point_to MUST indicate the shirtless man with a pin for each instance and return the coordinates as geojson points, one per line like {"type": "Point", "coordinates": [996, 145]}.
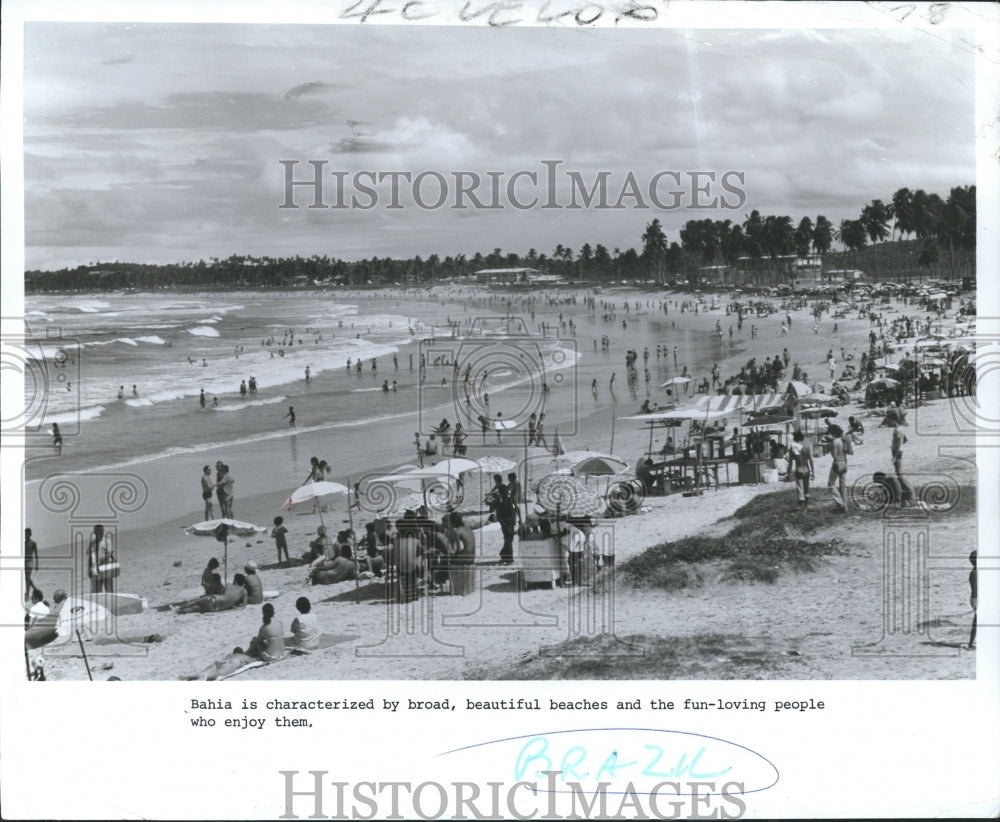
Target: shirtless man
{"type": "Point", "coordinates": [233, 595]}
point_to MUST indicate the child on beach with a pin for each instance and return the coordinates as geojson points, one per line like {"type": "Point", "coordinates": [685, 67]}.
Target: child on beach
{"type": "Point", "coordinates": [278, 535]}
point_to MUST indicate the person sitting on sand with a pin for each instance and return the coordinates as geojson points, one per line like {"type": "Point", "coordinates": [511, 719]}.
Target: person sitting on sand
{"type": "Point", "coordinates": [39, 608]}
{"type": "Point", "coordinates": [229, 664]}
{"type": "Point", "coordinates": [253, 584]}
{"type": "Point", "coordinates": [269, 644]}
{"type": "Point", "coordinates": [856, 430]}
{"type": "Point", "coordinates": [319, 546]}
{"type": "Point", "coordinates": [305, 627]}
{"type": "Point", "coordinates": [233, 595]}
{"type": "Point", "coordinates": [431, 446]}
{"type": "Point", "coordinates": [210, 579]}
{"type": "Point", "coordinates": [330, 571]}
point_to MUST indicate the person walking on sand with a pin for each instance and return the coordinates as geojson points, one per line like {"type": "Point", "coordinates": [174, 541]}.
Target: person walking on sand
{"type": "Point", "coordinates": [837, 481]}
{"type": "Point", "coordinates": [907, 495]}
{"type": "Point", "coordinates": [201, 398]}
{"type": "Point", "coordinates": [290, 416]}
{"type": "Point", "coordinates": [800, 461]}
{"type": "Point", "coordinates": [207, 487]}
{"type": "Point", "coordinates": [506, 514]}
{"type": "Point", "coordinates": [540, 432]}
{"type": "Point", "coordinates": [57, 440]}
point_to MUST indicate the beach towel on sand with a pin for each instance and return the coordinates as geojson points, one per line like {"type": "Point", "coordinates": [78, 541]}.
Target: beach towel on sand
{"type": "Point", "coordinates": [325, 641]}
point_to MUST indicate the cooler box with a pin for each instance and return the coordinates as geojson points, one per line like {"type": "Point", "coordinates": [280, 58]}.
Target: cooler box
{"type": "Point", "coordinates": [542, 561]}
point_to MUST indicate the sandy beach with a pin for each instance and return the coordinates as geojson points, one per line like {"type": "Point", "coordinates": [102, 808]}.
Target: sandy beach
{"type": "Point", "coordinates": [824, 623]}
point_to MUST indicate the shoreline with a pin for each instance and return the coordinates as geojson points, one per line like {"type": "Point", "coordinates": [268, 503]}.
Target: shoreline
{"type": "Point", "coordinates": [275, 461]}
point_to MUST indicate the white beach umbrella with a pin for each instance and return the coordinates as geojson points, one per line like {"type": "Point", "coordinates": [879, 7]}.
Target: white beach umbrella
{"type": "Point", "coordinates": [222, 529]}
{"type": "Point", "coordinates": [676, 381]}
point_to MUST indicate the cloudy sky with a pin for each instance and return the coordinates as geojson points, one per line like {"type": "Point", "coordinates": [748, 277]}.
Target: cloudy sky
{"type": "Point", "coordinates": [160, 142]}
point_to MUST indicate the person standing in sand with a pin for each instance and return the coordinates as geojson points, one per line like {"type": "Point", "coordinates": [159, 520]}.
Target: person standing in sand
{"type": "Point", "coordinates": [279, 535]}
{"type": "Point", "coordinates": [101, 565]}
{"type": "Point", "coordinates": [224, 489]}
{"type": "Point", "coordinates": [57, 440]}
{"type": "Point", "coordinates": [837, 481]}
{"type": "Point", "coordinates": [506, 514]}
{"type": "Point", "coordinates": [800, 461]}
{"type": "Point", "coordinates": [207, 487]}
{"type": "Point", "coordinates": [30, 562]}
{"type": "Point", "coordinates": [907, 495]}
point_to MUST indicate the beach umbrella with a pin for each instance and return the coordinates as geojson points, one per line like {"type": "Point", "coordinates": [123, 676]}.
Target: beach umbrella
{"type": "Point", "coordinates": [399, 505]}
{"type": "Point", "coordinates": [676, 381]}
{"type": "Point", "coordinates": [884, 382]}
{"type": "Point", "coordinates": [593, 464]}
{"type": "Point", "coordinates": [75, 614]}
{"type": "Point", "coordinates": [315, 491]}
{"type": "Point", "coordinates": [222, 529]}
{"type": "Point", "coordinates": [817, 398]}
{"type": "Point", "coordinates": [495, 465]}
{"type": "Point", "coordinates": [452, 466]}
{"type": "Point", "coordinates": [816, 413]}
{"type": "Point", "coordinates": [566, 496]}
{"type": "Point", "coordinates": [539, 465]}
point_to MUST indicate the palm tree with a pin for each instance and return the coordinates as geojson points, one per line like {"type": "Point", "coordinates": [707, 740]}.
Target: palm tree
{"type": "Point", "coordinates": [853, 236]}
{"type": "Point", "coordinates": [875, 220]}
{"type": "Point", "coordinates": [654, 247]}
{"type": "Point", "coordinates": [822, 235]}
{"type": "Point", "coordinates": [803, 237]}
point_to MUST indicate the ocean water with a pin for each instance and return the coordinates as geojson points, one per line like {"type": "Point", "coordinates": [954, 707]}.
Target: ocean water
{"type": "Point", "coordinates": [521, 353]}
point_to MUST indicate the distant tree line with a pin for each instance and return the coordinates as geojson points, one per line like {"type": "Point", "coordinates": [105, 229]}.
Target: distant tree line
{"type": "Point", "coordinates": [915, 234]}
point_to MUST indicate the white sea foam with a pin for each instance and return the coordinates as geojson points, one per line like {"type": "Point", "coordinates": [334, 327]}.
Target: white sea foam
{"type": "Point", "coordinates": [240, 406]}
{"type": "Point", "coordinates": [91, 412]}
{"type": "Point", "coordinates": [203, 331]}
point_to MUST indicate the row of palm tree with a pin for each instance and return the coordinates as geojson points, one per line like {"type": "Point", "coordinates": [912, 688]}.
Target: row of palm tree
{"type": "Point", "coordinates": [761, 246]}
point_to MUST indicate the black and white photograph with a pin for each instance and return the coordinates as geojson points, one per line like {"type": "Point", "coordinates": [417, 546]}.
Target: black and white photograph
{"type": "Point", "coordinates": [480, 380]}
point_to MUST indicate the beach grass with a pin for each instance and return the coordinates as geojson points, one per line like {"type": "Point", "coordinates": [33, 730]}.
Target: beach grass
{"type": "Point", "coordinates": [768, 539]}
{"type": "Point", "coordinates": [643, 656]}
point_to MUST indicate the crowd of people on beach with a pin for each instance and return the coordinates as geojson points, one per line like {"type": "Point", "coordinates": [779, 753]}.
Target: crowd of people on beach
{"type": "Point", "coordinates": [415, 555]}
